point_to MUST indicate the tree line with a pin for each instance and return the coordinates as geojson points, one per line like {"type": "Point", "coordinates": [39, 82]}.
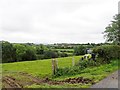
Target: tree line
{"type": "Point", "coordinates": [15, 52]}
{"type": "Point", "coordinates": [25, 52]}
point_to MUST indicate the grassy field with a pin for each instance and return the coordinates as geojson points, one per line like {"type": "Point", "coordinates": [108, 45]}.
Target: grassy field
{"type": "Point", "coordinates": [39, 68]}
{"type": "Point", "coordinates": [65, 49]}
{"type": "Point", "coordinates": [43, 68]}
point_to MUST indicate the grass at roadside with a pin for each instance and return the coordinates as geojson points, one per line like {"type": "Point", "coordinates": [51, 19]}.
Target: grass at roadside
{"type": "Point", "coordinates": [96, 73]}
{"type": "Point", "coordinates": [59, 86]}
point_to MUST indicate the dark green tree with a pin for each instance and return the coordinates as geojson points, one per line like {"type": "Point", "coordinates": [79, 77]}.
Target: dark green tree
{"type": "Point", "coordinates": [40, 49]}
{"type": "Point", "coordinates": [50, 54]}
{"type": "Point", "coordinates": [20, 51]}
{"type": "Point", "coordinates": [112, 32]}
{"type": "Point", "coordinates": [79, 50]}
{"type": "Point", "coordinates": [8, 52]}
{"type": "Point", "coordinates": [29, 54]}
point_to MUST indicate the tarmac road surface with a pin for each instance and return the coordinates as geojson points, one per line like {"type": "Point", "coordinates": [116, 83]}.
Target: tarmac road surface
{"type": "Point", "coordinates": [110, 82]}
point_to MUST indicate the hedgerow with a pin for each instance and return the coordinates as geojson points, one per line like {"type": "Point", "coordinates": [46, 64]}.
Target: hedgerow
{"type": "Point", "coordinates": [107, 52]}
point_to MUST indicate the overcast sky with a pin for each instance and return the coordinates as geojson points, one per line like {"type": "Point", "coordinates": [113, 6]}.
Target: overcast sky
{"type": "Point", "coordinates": [55, 21]}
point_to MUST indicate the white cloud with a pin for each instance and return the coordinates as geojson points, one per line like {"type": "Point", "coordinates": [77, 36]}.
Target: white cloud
{"type": "Point", "coordinates": [52, 21]}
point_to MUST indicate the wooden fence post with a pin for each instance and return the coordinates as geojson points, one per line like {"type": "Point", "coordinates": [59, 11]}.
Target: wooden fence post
{"type": "Point", "coordinates": [54, 66]}
{"type": "Point", "coordinates": [56, 63]}
{"type": "Point", "coordinates": [73, 61]}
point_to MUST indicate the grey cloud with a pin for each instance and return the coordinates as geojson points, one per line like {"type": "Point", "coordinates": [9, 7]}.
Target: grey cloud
{"type": "Point", "coordinates": [55, 20]}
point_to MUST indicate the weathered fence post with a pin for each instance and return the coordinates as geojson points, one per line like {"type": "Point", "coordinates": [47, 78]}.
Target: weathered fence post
{"type": "Point", "coordinates": [54, 66]}
{"type": "Point", "coordinates": [73, 61]}
{"type": "Point", "coordinates": [56, 63]}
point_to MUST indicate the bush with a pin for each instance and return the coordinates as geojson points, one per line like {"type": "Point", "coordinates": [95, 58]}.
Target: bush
{"type": "Point", "coordinates": [87, 63]}
{"type": "Point", "coordinates": [67, 71]}
{"type": "Point", "coordinates": [75, 69]}
{"type": "Point", "coordinates": [107, 52]}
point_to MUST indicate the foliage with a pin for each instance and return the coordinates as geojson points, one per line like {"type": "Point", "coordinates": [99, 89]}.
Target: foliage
{"type": "Point", "coordinates": [112, 32]}
{"type": "Point", "coordinates": [94, 73]}
{"type": "Point", "coordinates": [8, 52]}
{"type": "Point", "coordinates": [79, 50]}
{"type": "Point", "coordinates": [107, 52]}
{"type": "Point", "coordinates": [87, 63]}
{"type": "Point", "coordinates": [25, 52]}
{"type": "Point", "coordinates": [63, 54]}
{"type": "Point", "coordinates": [17, 52]}
{"type": "Point", "coordinates": [40, 49]}
{"type": "Point", "coordinates": [75, 69]}
{"type": "Point", "coordinates": [50, 54]}
{"type": "Point", "coordinates": [20, 51]}
{"type": "Point", "coordinates": [30, 51]}
{"type": "Point", "coordinates": [40, 57]}
{"type": "Point", "coordinates": [29, 54]}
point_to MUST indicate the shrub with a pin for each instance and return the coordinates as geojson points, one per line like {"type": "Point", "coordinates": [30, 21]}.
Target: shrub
{"type": "Point", "coordinates": [87, 63]}
{"type": "Point", "coordinates": [67, 71]}
{"type": "Point", "coordinates": [77, 69]}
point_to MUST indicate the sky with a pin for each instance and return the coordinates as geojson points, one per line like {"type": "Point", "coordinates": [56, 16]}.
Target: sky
{"type": "Point", "coordinates": [55, 21]}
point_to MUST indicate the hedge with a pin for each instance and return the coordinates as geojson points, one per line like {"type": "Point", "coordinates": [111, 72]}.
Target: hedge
{"type": "Point", "coordinates": [108, 52]}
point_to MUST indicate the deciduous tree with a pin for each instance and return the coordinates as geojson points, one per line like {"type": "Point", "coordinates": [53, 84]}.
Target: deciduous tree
{"type": "Point", "coordinates": [112, 32]}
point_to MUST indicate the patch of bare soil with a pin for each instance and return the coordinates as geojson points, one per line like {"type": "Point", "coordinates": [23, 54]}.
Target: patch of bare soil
{"type": "Point", "coordinates": [54, 82]}
{"type": "Point", "coordinates": [41, 81]}
{"type": "Point", "coordinates": [34, 79]}
{"type": "Point", "coordinates": [78, 80]}
{"type": "Point", "coordinates": [10, 82]}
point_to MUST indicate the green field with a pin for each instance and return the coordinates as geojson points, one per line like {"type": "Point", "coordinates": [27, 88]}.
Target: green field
{"type": "Point", "coordinates": [65, 49]}
{"type": "Point", "coordinates": [39, 68]}
{"type": "Point", "coordinates": [43, 69]}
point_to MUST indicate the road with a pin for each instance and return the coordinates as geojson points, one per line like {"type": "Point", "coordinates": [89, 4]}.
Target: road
{"type": "Point", "coordinates": [110, 82]}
